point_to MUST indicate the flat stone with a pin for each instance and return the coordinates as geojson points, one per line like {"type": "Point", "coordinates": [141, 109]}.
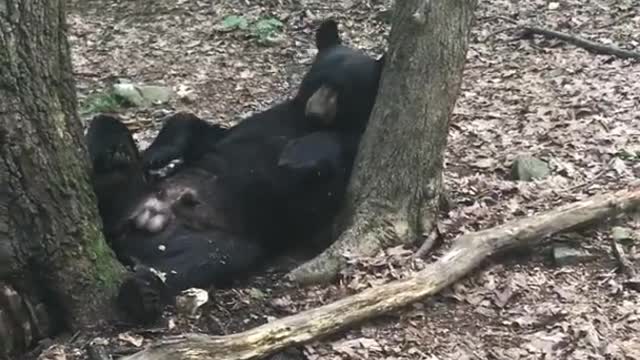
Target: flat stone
{"type": "Point", "coordinates": [155, 94]}
{"type": "Point", "coordinates": [528, 168]}
{"type": "Point", "coordinates": [564, 255]}
{"type": "Point", "coordinates": [622, 234]}
{"type": "Point", "coordinates": [256, 294]}
{"type": "Point", "coordinates": [142, 95]}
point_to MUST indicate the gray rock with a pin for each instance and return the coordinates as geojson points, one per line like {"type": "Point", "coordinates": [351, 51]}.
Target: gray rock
{"type": "Point", "coordinates": [257, 294]}
{"type": "Point", "coordinates": [564, 255]}
{"type": "Point", "coordinates": [155, 94]}
{"type": "Point", "coordinates": [142, 95]}
{"type": "Point", "coordinates": [161, 113]}
{"type": "Point", "coordinates": [622, 234]}
{"type": "Point", "coordinates": [129, 93]}
{"type": "Point", "coordinates": [527, 168]}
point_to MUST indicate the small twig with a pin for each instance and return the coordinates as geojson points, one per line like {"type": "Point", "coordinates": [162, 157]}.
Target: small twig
{"type": "Point", "coordinates": [588, 45]}
{"type": "Point", "coordinates": [616, 21]}
{"type": "Point", "coordinates": [499, 17]}
{"type": "Point", "coordinates": [499, 31]}
{"type": "Point", "coordinates": [588, 182]}
{"type": "Point", "coordinates": [86, 74]}
{"type": "Point", "coordinates": [624, 263]}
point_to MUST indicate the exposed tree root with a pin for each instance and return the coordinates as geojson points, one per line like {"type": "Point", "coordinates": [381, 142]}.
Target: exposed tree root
{"type": "Point", "coordinates": [394, 192]}
{"type": "Point", "coordinates": [428, 243]}
{"type": "Point", "coordinates": [467, 253]}
{"type": "Point", "coordinates": [375, 226]}
{"type": "Point", "coordinates": [588, 45]}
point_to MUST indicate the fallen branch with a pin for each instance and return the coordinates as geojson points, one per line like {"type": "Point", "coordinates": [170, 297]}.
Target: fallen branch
{"type": "Point", "coordinates": [468, 252]}
{"type": "Point", "coordinates": [588, 45]}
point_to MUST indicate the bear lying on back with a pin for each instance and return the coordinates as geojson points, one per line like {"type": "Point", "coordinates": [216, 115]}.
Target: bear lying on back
{"type": "Point", "coordinates": [185, 226]}
{"type": "Point", "coordinates": [242, 194]}
{"type": "Point", "coordinates": [289, 197]}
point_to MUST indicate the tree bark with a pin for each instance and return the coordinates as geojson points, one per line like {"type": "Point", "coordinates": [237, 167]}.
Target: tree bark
{"type": "Point", "coordinates": [51, 244]}
{"type": "Point", "coordinates": [397, 180]}
{"type": "Point", "coordinates": [467, 253]}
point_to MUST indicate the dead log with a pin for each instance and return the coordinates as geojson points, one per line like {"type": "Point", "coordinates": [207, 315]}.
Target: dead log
{"type": "Point", "coordinates": [468, 252]}
{"type": "Point", "coordinates": [588, 45]}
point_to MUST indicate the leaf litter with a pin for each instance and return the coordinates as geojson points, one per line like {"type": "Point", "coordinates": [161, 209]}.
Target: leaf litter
{"type": "Point", "coordinates": [577, 111]}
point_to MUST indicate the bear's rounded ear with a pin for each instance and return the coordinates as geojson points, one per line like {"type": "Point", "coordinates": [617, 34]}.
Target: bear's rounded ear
{"type": "Point", "coordinates": [327, 35]}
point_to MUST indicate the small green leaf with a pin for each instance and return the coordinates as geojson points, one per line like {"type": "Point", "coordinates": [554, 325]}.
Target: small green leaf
{"type": "Point", "coordinates": [270, 24]}
{"type": "Point", "coordinates": [265, 30]}
{"type": "Point", "coordinates": [628, 155]}
{"type": "Point", "coordinates": [101, 102]}
{"type": "Point", "coordinates": [233, 22]}
{"type": "Point", "coordinates": [267, 26]}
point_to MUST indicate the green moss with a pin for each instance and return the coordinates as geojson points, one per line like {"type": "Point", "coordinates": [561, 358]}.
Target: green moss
{"type": "Point", "coordinates": [108, 271]}
{"type": "Point", "coordinates": [101, 102]}
{"type": "Point", "coordinates": [265, 30]}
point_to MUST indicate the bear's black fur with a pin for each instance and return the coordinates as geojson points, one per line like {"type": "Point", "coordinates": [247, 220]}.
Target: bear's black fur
{"type": "Point", "coordinates": [336, 97]}
{"type": "Point", "coordinates": [184, 136]}
{"type": "Point", "coordinates": [339, 90]}
{"type": "Point", "coordinates": [184, 226]}
{"type": "Point", "coordinates": [117, 175]}
{"type": "Point", "coordinates": [243, 194]}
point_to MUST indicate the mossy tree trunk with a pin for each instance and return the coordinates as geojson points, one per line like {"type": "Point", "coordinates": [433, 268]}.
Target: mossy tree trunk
{"type": "Point", "coordinates": [50, 235]}
{"type": "Point", "coordinates": [397, 181]}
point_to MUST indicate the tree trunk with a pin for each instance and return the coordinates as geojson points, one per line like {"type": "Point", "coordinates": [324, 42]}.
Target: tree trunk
{"type": "Point", "coordinates": [50, 238]}
{"type": "Point", "coordinates": [396, 183]}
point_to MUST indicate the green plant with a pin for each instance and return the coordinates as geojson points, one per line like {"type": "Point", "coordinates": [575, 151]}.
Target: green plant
{"type": "Point", "coordinates": [101, 102]}
{"type": "Point", "coordinates": [625, 154]}
{"type": "Point", "coordinates": [265, 30]}
{"type": "Point", "coordinates": [233, 22]}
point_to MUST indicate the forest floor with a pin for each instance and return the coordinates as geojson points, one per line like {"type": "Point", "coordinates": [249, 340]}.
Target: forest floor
{"type": "Point", "coordinates": [578, 111]}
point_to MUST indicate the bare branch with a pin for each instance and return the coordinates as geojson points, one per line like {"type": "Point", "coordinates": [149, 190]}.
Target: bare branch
{"type": "Point", "coordinates": [588, 45]}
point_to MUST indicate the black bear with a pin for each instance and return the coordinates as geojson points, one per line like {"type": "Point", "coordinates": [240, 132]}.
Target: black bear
{"type": "Point", "coordinates": [242, 194]}
{"type": "Point", "coordinates": [304, 184]}
{"type": "Point", "coordinates": [185, 226]}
